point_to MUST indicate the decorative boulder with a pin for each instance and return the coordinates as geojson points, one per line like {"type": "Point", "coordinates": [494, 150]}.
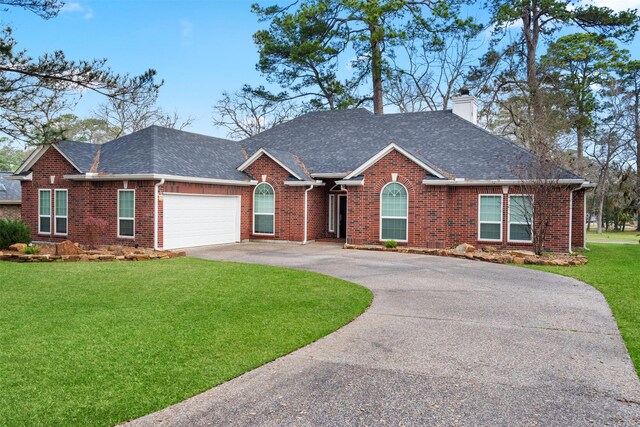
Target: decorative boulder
{"type": "Point", "coordinates": [490, 249]}
{"type": "Point", "coordinates": [67, 248]}
{"type": "Point", "coordinates": [18, 247]}
{"type": "Point", "coordinates": [465, 248]}
{"type": "Point", "coordinates": [522, 253]}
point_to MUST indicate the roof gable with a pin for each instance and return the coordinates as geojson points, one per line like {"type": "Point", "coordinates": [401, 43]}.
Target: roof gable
{"type": "Point", "coordinates": [287, 161]}
{"type": "Point", "coordinates": [391, 147]}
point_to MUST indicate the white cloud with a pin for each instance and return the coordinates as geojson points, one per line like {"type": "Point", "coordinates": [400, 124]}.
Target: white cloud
{"type": "Point", "coordinates": [76, 7]}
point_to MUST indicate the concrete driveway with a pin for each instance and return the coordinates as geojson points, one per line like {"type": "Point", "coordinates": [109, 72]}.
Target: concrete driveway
{"type": "Point", "coordinates": [446, 342]}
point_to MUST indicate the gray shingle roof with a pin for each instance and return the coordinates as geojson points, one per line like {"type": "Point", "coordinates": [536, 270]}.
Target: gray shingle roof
{"type": "Point", "coordinates": [340, 141]}
{"type": "Point", "coordinates": [9, 189]}
{"type": "Point", "coordinates": [159, 150]}
{"type": "Point", "coordinates": [81, 154]}
{"type": "Point", "coordinates": [290, 161]}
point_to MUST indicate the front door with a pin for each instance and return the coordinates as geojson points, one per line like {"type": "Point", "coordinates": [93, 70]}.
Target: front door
{"type": "Point", "coordinates": [342, 215]}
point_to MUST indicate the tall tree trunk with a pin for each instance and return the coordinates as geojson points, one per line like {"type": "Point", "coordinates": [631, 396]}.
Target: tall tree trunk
{"type": "Point", "coordinates": [580, 150]}
{"type": "Point", "coordinates": [531, 29]}
{"type": "Point", "coordinates": [603, 195]}
{"type": "Point", "coordinates": [376, 68]}
{"type": "Point", "coordinates": [636, 116]}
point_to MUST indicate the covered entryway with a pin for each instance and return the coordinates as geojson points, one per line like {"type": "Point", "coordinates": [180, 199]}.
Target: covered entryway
{"type": "Point", "coordinates": [199, 220]}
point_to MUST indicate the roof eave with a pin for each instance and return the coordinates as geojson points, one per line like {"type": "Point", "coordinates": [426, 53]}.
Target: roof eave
{"type": "Point", "coordinates": [153, 177]}
{"type": "Point", "coordinates": [490, 182]}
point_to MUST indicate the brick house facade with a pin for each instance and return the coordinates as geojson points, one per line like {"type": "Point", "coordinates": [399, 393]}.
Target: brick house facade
{"type": "Point", "coordinates": [179, 182]}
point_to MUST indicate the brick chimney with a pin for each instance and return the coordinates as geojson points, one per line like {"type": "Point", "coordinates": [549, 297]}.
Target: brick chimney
{"type": "Point", "coordinates": [465, 106]}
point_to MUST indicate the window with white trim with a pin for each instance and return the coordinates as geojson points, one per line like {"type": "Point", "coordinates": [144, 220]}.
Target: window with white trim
{"type": "Point", "coordinates": [44, 211]}
{"type": "Point", "coordinates": [332, 209]}
{"type": "Point", "coordinates": [126, 213]}
{"type": "Point", "coordinates": [490, 217]}
{"type": "Point", "coordinates": [264, 209]}
{"type": "Point", "coordinates": [394, 206]}
{"type": "Point", "coordinates": [61, 206]}
{"type": "Point", "coordinates": [520, 218]}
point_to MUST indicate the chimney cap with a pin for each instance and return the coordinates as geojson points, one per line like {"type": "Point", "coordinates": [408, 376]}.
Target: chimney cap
{"type": "Point", "coordinates": [464, 90]}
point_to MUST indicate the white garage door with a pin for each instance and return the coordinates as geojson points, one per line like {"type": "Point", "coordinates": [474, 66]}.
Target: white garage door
{"type": "Point", "coordinates": [195, 220]}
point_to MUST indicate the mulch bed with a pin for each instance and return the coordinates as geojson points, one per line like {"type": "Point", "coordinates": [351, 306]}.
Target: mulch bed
{"type": "Point", "coordinates": [495, 256]}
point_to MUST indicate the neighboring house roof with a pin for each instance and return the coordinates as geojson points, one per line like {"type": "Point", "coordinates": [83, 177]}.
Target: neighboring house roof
{"type": "Point", "coordinates": [10, 191]}
{"type": "Point", "coordinates": [341, 141]}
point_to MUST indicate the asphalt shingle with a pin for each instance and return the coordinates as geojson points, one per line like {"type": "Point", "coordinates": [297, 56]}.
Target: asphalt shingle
{"type": "Point", "coordinates": [9, 189]}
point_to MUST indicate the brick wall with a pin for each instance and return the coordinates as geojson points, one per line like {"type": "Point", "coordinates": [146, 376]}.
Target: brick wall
{"type": "Point", "coordinates": [85, 199]}
{"type": "Point", "coordinates": [10, 211]}
{"type": "Point", "coordinates": [579, 219]}
{"type": "Point", "coordinates": [444, 216]}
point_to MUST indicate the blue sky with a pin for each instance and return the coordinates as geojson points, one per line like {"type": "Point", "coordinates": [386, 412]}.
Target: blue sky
{"type": "Point", "coordinates": [200, 48]}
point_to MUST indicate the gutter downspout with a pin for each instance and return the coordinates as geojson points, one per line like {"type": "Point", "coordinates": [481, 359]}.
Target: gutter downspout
{"type": "Point", "coordinates": [304, 242]}
{"type": "Point", "coordinates": [155, 213]}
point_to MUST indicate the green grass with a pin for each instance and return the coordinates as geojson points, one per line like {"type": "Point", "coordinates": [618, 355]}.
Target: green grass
{"type": "Point", "coordinates": [101, 343]}
{"type": "Point", "coordinates": [630, 236]}
{"type": "Point", "coordinates": [615, 271]}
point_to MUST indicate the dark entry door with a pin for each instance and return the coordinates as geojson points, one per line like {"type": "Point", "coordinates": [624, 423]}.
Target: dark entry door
{"type": "Point", "coordinates": [342, 216]}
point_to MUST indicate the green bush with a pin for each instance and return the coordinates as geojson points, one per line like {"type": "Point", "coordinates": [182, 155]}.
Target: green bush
{"type": "Point", "coordinates": [13, 232]}
{"type": "Point", "coordinates": [32, 250]}
{"type": "Point", "coordinates": [390, 244]}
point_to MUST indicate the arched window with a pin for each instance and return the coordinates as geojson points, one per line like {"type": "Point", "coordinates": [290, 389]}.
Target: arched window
{"type": "Point", "coordinates": [394, 205]}
{"type": "Point", "coordinates": [263, 209]}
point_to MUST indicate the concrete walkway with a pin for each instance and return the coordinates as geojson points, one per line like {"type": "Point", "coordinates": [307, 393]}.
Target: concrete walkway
{"type": "Point", "coordinates": [446, 342]}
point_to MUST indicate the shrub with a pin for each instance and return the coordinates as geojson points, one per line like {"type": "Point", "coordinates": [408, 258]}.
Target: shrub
{"type": "Point", "coordinates": [390, 244]}
{"type": "Point", "coordinates": [32, 250]}
{"type": "Point", "coordinates": [13, 232]}
{"type": "Point", "coordinates": [95, 227]}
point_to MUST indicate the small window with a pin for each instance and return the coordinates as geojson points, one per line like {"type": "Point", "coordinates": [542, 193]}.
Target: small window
{"type": "Point", "coordinates": [263, 209]}
{"type": "Point", "coordinates": [520, 219]}
{"type": "Point", "coordinates": [490, 218]}
{"type": "Point", "coordinates": [332, 208]}
{"type": "Point", "coordinates": [61, 210]}
{"type": "Point", "coordinates": [44, 212]}
{"type": "Point", "coordinates": [126, 213]}
{"type": "Point", "coordinates": [393, 212]}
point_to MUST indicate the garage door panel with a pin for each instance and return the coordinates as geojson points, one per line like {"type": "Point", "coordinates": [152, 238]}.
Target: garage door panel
{"type": "Point", "coordinates": [194, 220]}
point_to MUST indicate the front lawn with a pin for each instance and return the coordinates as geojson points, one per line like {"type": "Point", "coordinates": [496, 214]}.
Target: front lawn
{"type": "Point", "coordinates": [101, 343]}
{"type": "Point", "coordinates": [615, 271]}
{"type": "Point", "coordinates": [628, 236]}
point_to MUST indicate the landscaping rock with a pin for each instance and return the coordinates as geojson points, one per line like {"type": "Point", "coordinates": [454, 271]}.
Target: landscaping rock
{"type": "Point", "coordinates": [522, 253]}
{"type": "Point", "coordinates": [490, 249]}
{"type": "Point", "coordinates": [67, 248]}
{"type": "Point", "coordinates": [18, 247]}
{"type": "Point", "coordinates": [465, 248]}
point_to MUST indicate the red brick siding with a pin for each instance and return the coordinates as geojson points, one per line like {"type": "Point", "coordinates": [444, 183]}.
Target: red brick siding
{"type": "Point", "coordinates": [579, 220]}
{"type": "Point", "coordinates": [99, 199]}
{"type": "Point", "coordinates": [289, 201]}
{"type": "Point", "coordinates": [438, 216]}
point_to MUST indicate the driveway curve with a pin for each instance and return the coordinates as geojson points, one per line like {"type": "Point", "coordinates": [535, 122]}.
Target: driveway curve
{"type": "Point", "coordinates": [446, 342]}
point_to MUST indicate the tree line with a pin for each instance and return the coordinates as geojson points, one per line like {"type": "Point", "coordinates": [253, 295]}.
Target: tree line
{"type": "Point", "coordinates": [551, 75]}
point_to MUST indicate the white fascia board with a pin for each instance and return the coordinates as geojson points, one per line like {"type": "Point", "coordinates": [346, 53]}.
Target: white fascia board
{"type": "Point", "coordinates": [488, 182]}
{"type": "Point", "coordinates": [257, 155]}
{"type": "Point", "coordinates": [28, 177]}
{"type": "Point", "coordinates": [33, 157]}
{"type": "Point", "coordinates": [328, 175]}
{"type": "Point", "coordinates": [366, 165]}
{"type": "Point", "coordinates": [153, 177]}
{"type": "Point", "coordinates": [358, 183]}
{"type": "Point", "coordinates": [304, 183]}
